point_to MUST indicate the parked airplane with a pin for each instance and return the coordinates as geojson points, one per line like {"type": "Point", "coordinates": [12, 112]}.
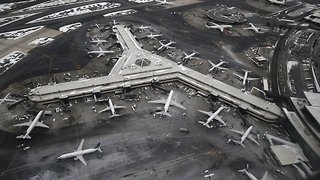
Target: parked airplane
{"type": "Point", "coordinates": [245, 78]}
{"type": "Point", "coordinates": [217, 66]}
{"type": "Point", "coordinates": [153, 36]}
{"type": "Point", "coordinates": [213, 116]}
{"type": "Point", "coordinates": [112, 108]}
{"type": "Point", "coordinates": [166, 46]}
{"type": "Point", "coordinates": [163, 2]}
{"type": "Point", "coordinates": [98, 41]}
{"type": "Point", "coordinates": [100, 52]}
{"type": "Point", "coordinates": [31, 124]}
{"type": "Point", "coordinates": [6, 99]}
{"type": "Point", "coordinates": [217, 26]}
{"type": "Point", "coordinates": [189, 56]}
{"type": "Point", "coordinates": [245, 134]}
{"type": "Point", "coordinates": [167, 103]}
{"type": "Point", "coordinates": [251, 176]}
{"type": "Point", "coordinates": [142, 27]}
{"type": "Point", "coordinates": [78, 154]}
{"type": "Point", "coordinates": [255, 29]}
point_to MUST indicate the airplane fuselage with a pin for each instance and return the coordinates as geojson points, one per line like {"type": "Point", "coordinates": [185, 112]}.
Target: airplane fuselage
{"type": "Point", "coordinates": [111, 107]}
{"type": "Point", "coordinates": [214, 115]}
{"type": "Point", "coordinates": [245, 78]}
{"type": "Point", "coordinates": [77, 153]}
{"type": "Point", "coordinates": [34, 122]}
{"type": "Point", "coordinates": [250, 176]}
{"type": "Point", "coordinates": [166, 106]}
{"type": "Point", "coordinates": [216, 66]}
{"type": "Point", "coordinates": [245, 135]}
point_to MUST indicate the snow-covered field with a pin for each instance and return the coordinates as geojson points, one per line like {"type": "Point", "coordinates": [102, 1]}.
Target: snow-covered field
{"type": "Point", "coordinates": [7, 20]}
{"type": "Point", "coordinates": [70, 27]}
{"type": "Point", "coordinates": [8, 6]}
{"type": "Point", "coordinates": [120, 13]}
{"type": "Point", "coordinates": [141, 1]}
{"type": "Point", "coordinates": [41, 41]}
{"type": "Point", "coordinates": [16, 34]}
{"type": "Point", "coordinates": [52, 3]}
{"type": "Point", "coordinates": [85, 9]}
{"type": "Point", "coordinates": [10, 59]}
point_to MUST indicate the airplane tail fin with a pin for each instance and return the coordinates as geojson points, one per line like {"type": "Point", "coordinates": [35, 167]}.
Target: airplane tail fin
{"type": "Point", "coordinates": [23, 137]}
{"type": "Point", "coordinates": [204, 124]}
{"type": "Point", "coordinates": [239, 142]}
{"type": "Point", "coordinates": [163, 113]}
{"type": "Point", "coordinates": [115, 115]}
{"type": "Point", "coordinates": [98, 147]}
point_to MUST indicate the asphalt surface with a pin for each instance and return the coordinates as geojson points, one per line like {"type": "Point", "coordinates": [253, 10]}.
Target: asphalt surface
{"type": "Point", "coordinates": [135, 145]}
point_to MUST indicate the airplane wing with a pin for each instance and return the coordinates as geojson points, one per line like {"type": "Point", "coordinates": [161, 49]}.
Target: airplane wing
{"type": "Point", "coordinates": [80, 146]}
{"type": "Point", "coordinates": [82, 159]}
{"type": "Point", "coordinates": [222, 68]}
{"type": "Point", "coordinates": [239, 76]}
{"type": "Point", "coordinates": [185, 53]}
{"type": "Point", "coordinates": [206, 112]}
{"type": "Point", "coordinates": [105, 109]}
{"type": "Point", "coordinates": [252, 79]}
{"type": "Point", "coordinates": [253, 140]}
{"type": "Point", "coordinates": [100, 49]}
{"type": "Point", "coordinates": [248, 28]}
{"type": "Point", "coordinates": [236, 131]}
{"type": "Point", "coordinates": [162, 101]}
{"type": "Point", "coordinates": [218, 118]}
{"type": "Point", "coordinates": [40, 124]}
{"type": "Point", "coordinates": [265, 176]}
{"type": "Point", "coordinates": [99, 55]}
{"type": "Point", "coordinates": [174, 103]}
{"type": "Point", "coordinates": [23, 124]}
{"type": "Point", "coordinates": [119, 107]}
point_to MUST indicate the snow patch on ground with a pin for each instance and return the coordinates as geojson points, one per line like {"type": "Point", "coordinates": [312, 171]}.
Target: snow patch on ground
{"type": "Point", "coordinates": [70, 27]}
{"type": "Point", "coordinates": [8, 6]}
{"type": "Point", "coordinates": [8, 20]}
{"type": "Point", "coordinates": [141, 1]}
{"type": "Point", "coordinates": [41, 41]}
{"type": "Point", "coordinates": [16, 34]}
{"type": "Point", "coordinates": [80, 10]}
{"type": "Point", "coordinates": [120, 13]}
{"type": "Point", "coordinates": [10, 59]}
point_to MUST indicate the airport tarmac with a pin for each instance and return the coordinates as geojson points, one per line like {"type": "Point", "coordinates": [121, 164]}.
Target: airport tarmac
{"type": "Point", "coordinates": [141, 146]}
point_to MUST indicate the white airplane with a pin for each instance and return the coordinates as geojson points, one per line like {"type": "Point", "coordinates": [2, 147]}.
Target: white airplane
{"type": "Point", "coordinates": [217, 66]}
{"type": "Point", "coordinates": [31, 124]}
{"type": "Point", "coordinates": [251, 176]}
{"type": "Point", "coordinates": [163, 2]}
{"type": "Point", "coordinates": [217, 26]}
{"type": "Point", "coordinates": [98, 41]}
{"type": "Point", "coordinates": [167, 103]}
{"type": "Point", "coordinates": [166, 46]}
{"type": "Point", "coordinates": [100, 52]}
{"type": "Point", "coordinates": [142, 27]}
{"type": "Point", "coordinates": [255, 29]}
{"type": "Point", "coordinates": [245, 134]}
{"type": "Point", "coordinates": [189, 56]}
{"type": "Point", "coordinates": [153, 36]}
{"type": "Point", "coordinates": [6, 99]}
{"type": "Point", "coordinates": [97, 25]}
{"type": "Point", "coordinates": [213, 116]}
{"type": "Point", "coordinates": [112, 108]}
{"type": "Point", "coordinates": [78, 154]}
{"type": "Point", "coordinates": [245, 78]}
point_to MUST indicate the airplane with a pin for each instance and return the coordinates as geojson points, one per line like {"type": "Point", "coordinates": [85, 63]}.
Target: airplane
{"type": "Point", "coordinates": [97, 25]}
{"type": "Point", "coordinates": [100, 52]}
{"type": "Point", "coordinates": [189, 56]}
{"type": "Point", "coordinates": [112, 108]}
{"type": "Point", "coordinates": [255, 29]}
{"type": "Point", "coordinates": [78, 154]}
{"type": "Point", "coordinates": [98, 41]}
{"type": "Point", "coordinates": [167, 46]}
{"type": "Point", "coordinates": [31, 124]}
{"type": "Point", "coordinates": [142, 27]}
{"type": "Point", "coordinates": [245, 134]}
{"type": "Point", "coordinates": [163, 2]}
{"type": "Point", "coordinates": [167, 103]}
{"type": "Point", "coordinates": [245, 78]}
{"type": "Point", "coordinates": [217, 66]}
{"type": "Point", "coordinates": [6, 99]}
{"type": "Point", "coordinates": [153, 36]}
{"type": "Point", "coordinates": [251, 176]}
{"type": "Point", "coordinates": [217, 26]}
{"type": "Point", "coordinates": [213, 116]}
